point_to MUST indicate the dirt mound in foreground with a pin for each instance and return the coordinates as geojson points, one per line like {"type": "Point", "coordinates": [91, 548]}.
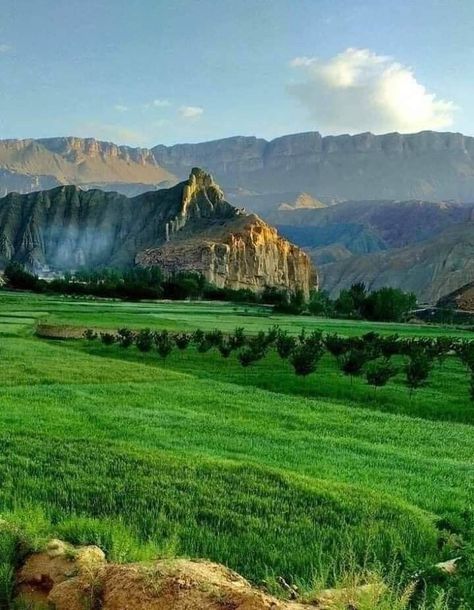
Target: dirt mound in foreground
{"type": "Point", "coordinates": [69, 578]}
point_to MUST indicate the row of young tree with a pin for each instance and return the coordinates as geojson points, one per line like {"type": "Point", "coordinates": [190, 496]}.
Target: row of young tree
{"type": "Point", "coordinates": [386, 304]}
{"type": "Point", "coordinates": [370, 355]}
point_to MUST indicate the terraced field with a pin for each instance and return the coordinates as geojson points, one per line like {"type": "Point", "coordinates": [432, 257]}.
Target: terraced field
{"type": "Point", "coordinates": [255, 468]}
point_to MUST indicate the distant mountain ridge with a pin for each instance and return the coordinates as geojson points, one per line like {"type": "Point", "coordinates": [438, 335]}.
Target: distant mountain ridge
{"type": "Point", "coordinates": [428, 165]}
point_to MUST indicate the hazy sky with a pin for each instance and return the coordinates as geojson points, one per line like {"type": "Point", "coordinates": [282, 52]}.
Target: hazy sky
{"type": "Point", "coordinates": [144, 72]}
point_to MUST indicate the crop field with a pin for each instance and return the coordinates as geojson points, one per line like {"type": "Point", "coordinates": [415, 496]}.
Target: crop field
{"type": "Point", "coordinates": [274, 475]}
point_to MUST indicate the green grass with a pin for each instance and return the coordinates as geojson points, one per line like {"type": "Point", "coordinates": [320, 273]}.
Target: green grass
{"type": "Point", "coordinates": [267, 473]}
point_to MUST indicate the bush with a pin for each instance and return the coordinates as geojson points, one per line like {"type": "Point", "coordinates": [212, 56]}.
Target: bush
{"type": "Point", "coordinates": [285, 344]}
{"type": "Point", "coordinates": [379, 373]}
{"type": "Point", "coordinates": [144, 340]}
{"type": "Point", "coordinates": [225, 348]}
{"type": "Point", "coordinates": [417, 370]}
{"type": "Point", "coordinates": [336, 345]}
{"type": "Point", "coordinates": [182, 340]}
{"type": "Point", "coordinates": [125, 337]}
{"type": "Point", "coordinates": [164, 344]}
{"type": "Point", "coordinates": [247, 356]}
{"type": "Point", "coordinates": [107, 338]}
{"type": "Point", "coordinates": [353, 362]}
{"type": "Point", "coordinates": [90, 334]}
{"type": "Point", "coordinates": [304, 359]}
{"type": "Point", "coordinates": [238, 338]}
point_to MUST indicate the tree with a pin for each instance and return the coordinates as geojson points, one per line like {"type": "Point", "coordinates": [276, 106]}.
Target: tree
{"type": "Point", "coordinates": [164, 343]}
{"type": "Point", "coordinates": [144, 340]}
{"type": "Point", "coordinates": [379, 373]}
{"type": "Point", "coordinates": [320, 303]}
{"type": "Point", "coordinates": [336, 345]}
{"type": "Point", "coordinates": [125, 337]}
{"type": "Point", "coordinates": [304, 359]}
{"type": "Point", "coordinates": [285, 344]}
{"type": "Point", "coordinates": [107, 338]}
{"type": "Point", "coordinates": [247, 356]}
{"type": "Point", "coordinates": [353, 362]}
{"type": "Point", "coordinates": [417, 370]}
{"type": "Point", "coordinates": [182, 340]}
{"type": "Point", "coordinates": [225, 348]}
{"type": "Point", "coordinates": [388, 305]}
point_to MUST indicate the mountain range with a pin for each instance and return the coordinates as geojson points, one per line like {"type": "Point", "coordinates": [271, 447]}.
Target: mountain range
{"type": "Point", "coordinates": [383, 209]}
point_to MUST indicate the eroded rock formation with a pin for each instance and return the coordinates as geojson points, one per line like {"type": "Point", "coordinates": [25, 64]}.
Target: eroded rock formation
{"type": "Point", "coordinates": [187, 227]}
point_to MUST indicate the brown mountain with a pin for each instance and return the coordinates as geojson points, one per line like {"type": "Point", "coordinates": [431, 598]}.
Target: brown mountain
{"type": "Point", "coordinates": [258, 173]}
{"type": "Point", "coordinates": [431, 268]}
{"type": "Point", "coordinates": [28, 165]}
{"type": "Point", "coordinates": [188, 226]}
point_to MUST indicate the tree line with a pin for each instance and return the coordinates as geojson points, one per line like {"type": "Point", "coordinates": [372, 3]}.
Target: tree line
{"type": "Point", "coordinates": [386, 304]}
{"type": "Point", "coordinates": [371, 355]}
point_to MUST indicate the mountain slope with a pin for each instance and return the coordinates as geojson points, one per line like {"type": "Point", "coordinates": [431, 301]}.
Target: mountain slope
{"type": "Point", "coordinates": [431, 268]}
{"type": "Point", "coordinates": [49, 162]}
{"type": "Point", "coordinates": [66, 228]}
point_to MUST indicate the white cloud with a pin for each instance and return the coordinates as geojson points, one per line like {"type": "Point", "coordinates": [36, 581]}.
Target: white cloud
{"type": "Point", "coordinates": [120, 108]}
{"type": "Point", "coordinates": [359, 90]}
{"type": "Point", "coordinates": [161, 103]}
{"type": "Point", "coordinates": [4, 48]}
{"type": "Point", "coordinates": [191, 112]}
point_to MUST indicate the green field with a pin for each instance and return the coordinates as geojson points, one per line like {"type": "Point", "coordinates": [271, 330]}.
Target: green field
{"type": "Point", "coordinates": [268, 473]}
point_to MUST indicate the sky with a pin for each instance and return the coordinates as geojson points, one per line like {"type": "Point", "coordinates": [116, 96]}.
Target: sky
{"type": "Point", "coordinates": [147, 72]}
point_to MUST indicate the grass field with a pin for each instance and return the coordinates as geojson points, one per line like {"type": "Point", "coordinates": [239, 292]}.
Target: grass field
{"type": "Point", "coordinates": [268, 473]}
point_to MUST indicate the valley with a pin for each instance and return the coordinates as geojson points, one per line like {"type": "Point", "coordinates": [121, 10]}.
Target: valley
{"type": "Point", "coordinates": [100, 444]}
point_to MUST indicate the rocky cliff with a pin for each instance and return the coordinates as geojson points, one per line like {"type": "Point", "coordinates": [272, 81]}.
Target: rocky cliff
{"type": "Point", "coordinates": [428, 165]}
{"type": "Point", "coordinates": [30, 165]}
{"type": "Point", "coordinates": [189, 226]}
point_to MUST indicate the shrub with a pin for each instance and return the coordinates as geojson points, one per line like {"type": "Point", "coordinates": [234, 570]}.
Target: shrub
{"type": "Point", "coordinates": [238, 338]}
{"type": "Point", "coordinates": [353, 362]}
{"type": "Point", "coordinates": [214, 337]}
{"type": "Point", "coordinates": [144, 340]}
{"type": "Point", "coordinates": [225, 348]}
{"type": "Point", "coordinates": [336, 345]}
{"type": "Point", "coordinates": [182, 340]}
{"type": "Point", "coordinates": [304, 359]}
{"type": "Point", "coordinates": [203, 346]}
{"type": "Point", "coordinates": [248, 355]}
{"type": "Point", "coordinates": [107, 338]}
{"type": "Point", "coordinates": [90, 334]}
{"type": "Point", "coordinates": [379, 373]}
{"type": "Point", "coordinates": [125, 337]}
{"type": "Point", "coordinates": [390, 346]}
{"type": "Point", "coordinates": [417, 370]}
{"type": "Point", "coordinates": [285, 344]}
{"type": "Point", "coordinates": [164, 343]}
{"type": "Point", "coordinates": [197, 336]}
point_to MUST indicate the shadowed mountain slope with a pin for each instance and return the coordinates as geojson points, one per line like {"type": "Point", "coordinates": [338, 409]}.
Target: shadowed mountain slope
{"type": "Point", "coordinates": [67, 228]}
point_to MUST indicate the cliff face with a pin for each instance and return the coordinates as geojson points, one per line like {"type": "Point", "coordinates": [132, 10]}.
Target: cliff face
{"type": "Point", "coordinates": [241, 253]}
{"type": "Point", "coordinates": [66, 228]}
{"type": "Point", "coordinates": [428, 165]}
{"type": "Point", "coordinates": [55, 161]}
{"type": "Point", "coordinates": [261, 174]}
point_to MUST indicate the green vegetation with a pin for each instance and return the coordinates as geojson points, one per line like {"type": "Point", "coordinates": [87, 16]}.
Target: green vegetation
{"type": "Point", "coordinates": [255, 467]}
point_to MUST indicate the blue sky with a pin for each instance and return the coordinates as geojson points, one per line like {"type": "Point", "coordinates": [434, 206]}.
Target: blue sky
{"type": "Point", "coordinates": [144, 72]}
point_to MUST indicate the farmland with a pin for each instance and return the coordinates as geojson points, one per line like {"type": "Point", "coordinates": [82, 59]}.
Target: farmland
{"type": "Point", "coordinates": [268, 473]}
